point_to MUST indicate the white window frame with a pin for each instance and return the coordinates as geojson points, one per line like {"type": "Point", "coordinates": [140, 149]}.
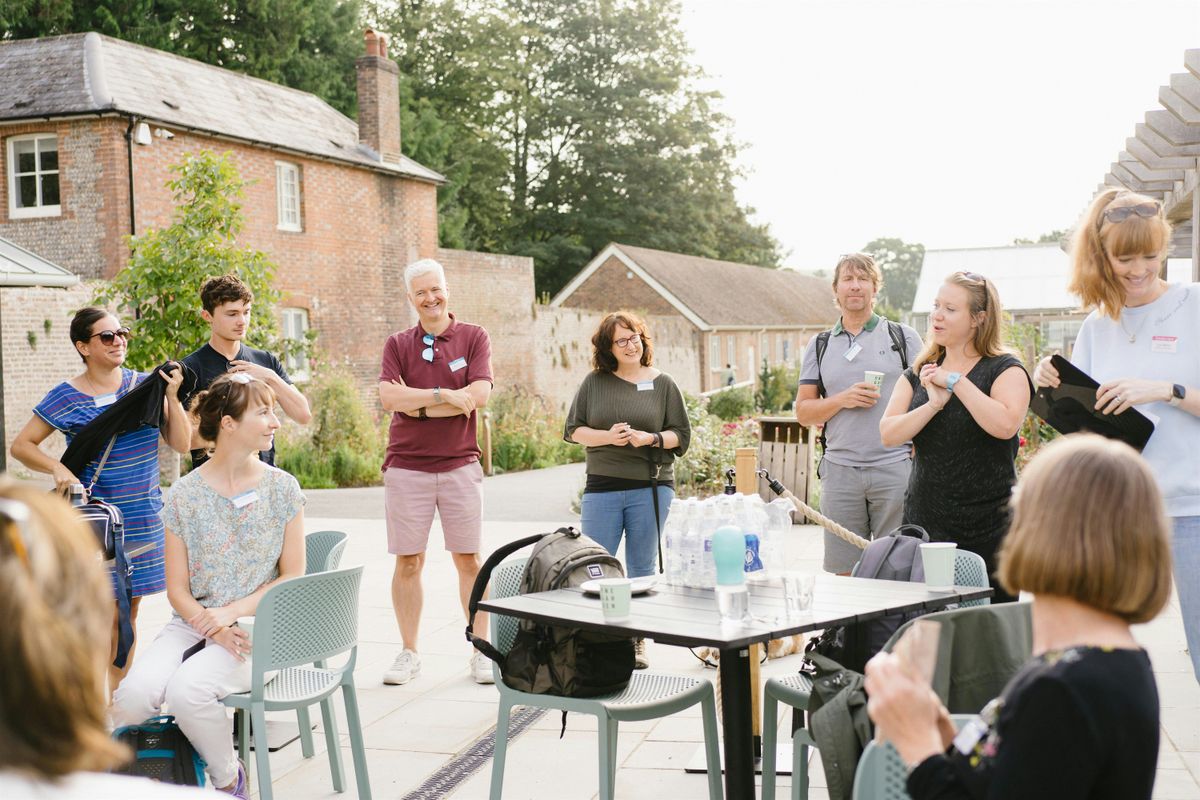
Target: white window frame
{"type": "Point", "coordinates": [295, 326]}
{"type": "Point", "coordinates": [40, 210]}
{"type": "Point", "coordinates": [731, 349]}
{"type": "Point", "coordinates": [287, 196]}
{"type": "Point", "coordinates": [714, 351]}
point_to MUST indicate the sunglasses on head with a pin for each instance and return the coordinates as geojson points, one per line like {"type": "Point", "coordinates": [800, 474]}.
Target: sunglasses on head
{"type": "Point", "coordinates": [427, 353]}
{"type": "Point", "coordinates": [1122, 213]}
{"type": "Point", "coordinates": [975, 276]}
{"type": "Point", "coordinates": [108, 337]}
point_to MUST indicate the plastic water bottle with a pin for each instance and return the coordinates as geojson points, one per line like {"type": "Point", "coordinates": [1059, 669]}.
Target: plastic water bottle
{"type": "Point", "coordinates": [779, 527]}
{"type": "Point", "coordinates": [673, 541]}
{"type": "Point", "coordinates": [691, 546]}
{"type": "Point", "coordinates": [753, 521]}
{"type": "Point", "coordinates": [729, 549]}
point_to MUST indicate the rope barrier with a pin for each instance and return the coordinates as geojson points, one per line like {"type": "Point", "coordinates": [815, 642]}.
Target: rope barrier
{"type": "Point", "coordinates": [816, 516]}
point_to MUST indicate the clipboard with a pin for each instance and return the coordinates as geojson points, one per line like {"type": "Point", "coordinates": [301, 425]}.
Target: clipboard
{"type": "Point", "coordinates": [1071, 408]}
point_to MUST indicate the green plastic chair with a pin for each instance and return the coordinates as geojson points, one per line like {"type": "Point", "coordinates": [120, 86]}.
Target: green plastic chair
{"type": "Point", "coordinates": [881, 775]}
{"type": "Point", "coordinates": [299, 622]}
{"type": "Point", "coordinates": [648, 696]}
{"type": "Point", "coordinates": [796, 690]}
{"type": "Point", "coordinates": [322, 553]}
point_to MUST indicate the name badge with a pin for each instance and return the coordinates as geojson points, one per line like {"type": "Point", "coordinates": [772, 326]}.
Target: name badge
{"type": "Point", "coordinates": [457, 364]}
{"type": "Point", "coordinates": [245, 498]}
{"type": "Point", "coordinates": [646, 386]}
{"type": "Point", "coordinates": [1164, 344]}
{"type": "Point", "coordinates": [853, 352]}
{"type": "Point", "coordinates": [102, 400]}
{"type": "Point", "coordinates": [969, 736]}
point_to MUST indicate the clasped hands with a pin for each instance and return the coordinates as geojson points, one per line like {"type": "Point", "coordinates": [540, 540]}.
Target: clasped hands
{"type": "Point", "coordinates": [622, 433]}
{"type": "Point", "coordinates": [218, 624]}
{"type": "Point", "coordinates": [933, 378]}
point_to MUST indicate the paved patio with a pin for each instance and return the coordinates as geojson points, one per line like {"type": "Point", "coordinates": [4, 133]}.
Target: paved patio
{"type": "Point", "coordinates": [413, 731]}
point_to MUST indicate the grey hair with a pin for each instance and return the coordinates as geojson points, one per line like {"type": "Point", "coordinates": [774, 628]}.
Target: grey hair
{"type": "Point", "coordinates": [423, 267]}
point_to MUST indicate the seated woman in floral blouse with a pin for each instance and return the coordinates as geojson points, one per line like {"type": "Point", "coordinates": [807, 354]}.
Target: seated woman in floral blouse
{"type": "Point", "coordinates": [1089, 539]}
{"type": "Point", "coordinates": [234, 528]}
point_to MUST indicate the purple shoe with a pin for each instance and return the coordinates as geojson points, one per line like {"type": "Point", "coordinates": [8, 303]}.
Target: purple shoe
{"type": "Point", "coordinates": [241, 788]}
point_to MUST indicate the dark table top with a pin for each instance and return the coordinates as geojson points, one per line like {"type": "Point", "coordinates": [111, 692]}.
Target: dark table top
{"type": "Point", "coordinates": [688, 617]}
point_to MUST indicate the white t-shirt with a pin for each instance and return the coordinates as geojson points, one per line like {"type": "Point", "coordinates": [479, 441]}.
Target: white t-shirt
{"type": "Point", "coordinates": [92, 786]}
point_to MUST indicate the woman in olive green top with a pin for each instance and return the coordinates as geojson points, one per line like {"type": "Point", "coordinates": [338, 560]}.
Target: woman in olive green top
{"type": "Point", "coordinates": [632, 419]}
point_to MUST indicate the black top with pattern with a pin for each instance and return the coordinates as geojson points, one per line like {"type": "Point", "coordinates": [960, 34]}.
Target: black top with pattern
{"type": "Point", "coordinates": [962, 476]}
{"type": "Point", "coordinates": [1075, 724]}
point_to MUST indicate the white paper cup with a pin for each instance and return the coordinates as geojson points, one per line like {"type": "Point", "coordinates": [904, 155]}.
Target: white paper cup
{"type": "Point", "coordinates": [797, 592]}
{"type": "Point", "coordinates": [615, 595]}
{"type": "Point", "coordinates": [247, 624]}
{"type": "Point", "coordinates": [938, 560]}
{"type": "Point", "coordinates": [873, 377]}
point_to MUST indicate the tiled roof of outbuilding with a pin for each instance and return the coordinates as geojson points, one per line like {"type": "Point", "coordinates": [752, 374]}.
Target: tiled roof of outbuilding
{"type": "Point", "coordinates": [87, 73]}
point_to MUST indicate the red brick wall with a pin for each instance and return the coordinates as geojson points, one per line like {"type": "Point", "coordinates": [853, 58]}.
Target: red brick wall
{"type": "Point", "coordinates": [614, 286]}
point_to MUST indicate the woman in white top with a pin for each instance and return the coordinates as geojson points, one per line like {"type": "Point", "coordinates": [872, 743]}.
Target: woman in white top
{"type": "Point", "coordinates": [235, 528]}
{"type": "Point", "coordinates": [56, 603]}
{"type": "Point", "coordinates": [1140, 343]}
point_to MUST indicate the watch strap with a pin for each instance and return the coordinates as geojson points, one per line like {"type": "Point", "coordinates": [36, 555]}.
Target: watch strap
{"type": "Point", "coordinates": [951, 380]}
{"type": "Point", "coordinates": [421, 413]}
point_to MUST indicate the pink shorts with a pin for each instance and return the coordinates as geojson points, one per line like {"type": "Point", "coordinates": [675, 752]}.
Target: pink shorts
{"type": "Point", "coordinates": [410, 497]}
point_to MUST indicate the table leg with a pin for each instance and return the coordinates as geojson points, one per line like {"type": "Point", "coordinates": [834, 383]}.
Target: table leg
{"type": "Point", "coordinates": [735, 724]}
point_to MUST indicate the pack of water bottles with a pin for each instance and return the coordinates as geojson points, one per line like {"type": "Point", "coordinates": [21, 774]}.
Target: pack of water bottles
{"type": "Point", "coordinates": [688, 536]}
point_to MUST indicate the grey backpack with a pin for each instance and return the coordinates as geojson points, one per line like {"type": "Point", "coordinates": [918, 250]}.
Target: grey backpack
{"type": "Point", "coordinates": [556, 659]}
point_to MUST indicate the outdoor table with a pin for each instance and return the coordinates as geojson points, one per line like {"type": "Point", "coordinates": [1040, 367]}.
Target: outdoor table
{"type": "Point", "coordinates": [688, 617]}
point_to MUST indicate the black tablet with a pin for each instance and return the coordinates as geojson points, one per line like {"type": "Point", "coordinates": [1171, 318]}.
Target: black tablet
{"type": "Point", "coordinates": [1072, 407]}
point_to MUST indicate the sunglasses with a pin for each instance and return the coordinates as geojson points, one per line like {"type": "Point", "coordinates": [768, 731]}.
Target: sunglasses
{"type": "Point", "coordinates": [427, 353]}
{"type": "Point", "coordinates": [108, 337]}
{"type": "Point", "coordinates": [628, 340]}
{"type": "Point", "coordinates": [1122, 213]}
{"type": "Point", "coordinates": [975, 276]}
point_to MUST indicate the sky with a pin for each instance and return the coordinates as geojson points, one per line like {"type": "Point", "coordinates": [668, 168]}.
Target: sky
{"type": "Point", "coordinates": [952, 123]}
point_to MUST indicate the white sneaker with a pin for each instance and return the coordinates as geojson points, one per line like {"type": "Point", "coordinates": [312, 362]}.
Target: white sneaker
{"type": "Point", "coordinates": [406, 667]}
{"type": "Point", "coordinates": [481, 669]}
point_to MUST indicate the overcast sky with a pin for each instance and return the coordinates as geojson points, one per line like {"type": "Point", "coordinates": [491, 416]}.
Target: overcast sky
{"type": "Point", "coordinates": [953, 123]}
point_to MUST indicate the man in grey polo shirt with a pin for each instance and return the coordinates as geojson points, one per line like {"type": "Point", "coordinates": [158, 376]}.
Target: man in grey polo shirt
{"type": "Point", "coordinates": [862, 482]}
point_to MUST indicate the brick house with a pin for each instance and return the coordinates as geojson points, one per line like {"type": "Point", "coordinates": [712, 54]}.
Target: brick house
{"type": "Point", "coordinates": [90, 125]}
{"type": "Point", "coordinates": [735, 313]}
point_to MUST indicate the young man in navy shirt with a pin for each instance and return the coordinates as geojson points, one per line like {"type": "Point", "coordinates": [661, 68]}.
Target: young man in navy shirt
{"type": "Point", "coordinates": [226, 302]}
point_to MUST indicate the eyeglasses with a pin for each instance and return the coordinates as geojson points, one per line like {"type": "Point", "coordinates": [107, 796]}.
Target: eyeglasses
{"type": "Point", "coordinates": [108, 337]}
{"type": "Point", "coordinates": [427, 353]}
{"type": "Point", "coordinates": [17, 513]}
{"type": "Point", "coordinates": [975, 276]}
{"type": "Point", "coordinates": [1122, 213]}
{"type": "Point", "coordinates": [628, 340]}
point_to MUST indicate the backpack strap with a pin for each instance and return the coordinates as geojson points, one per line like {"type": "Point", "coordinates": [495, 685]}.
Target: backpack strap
{"type": "Point", "coordinates": [100, 466]}
{"type": "Point", "coordinates": [899, 342]}
{"type": "Point", "coordinates": [821, 346]}
{"type": "Point", "coordinates": [481, 582]}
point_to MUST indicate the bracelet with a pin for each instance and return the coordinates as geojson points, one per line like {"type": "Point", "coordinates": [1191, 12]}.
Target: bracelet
{"type": "Point", "coordinates": [658, 440]}
{"type": "Point", "coordinates": [437, 394]}
{"type": "Point", "coordinates": [421, 413]}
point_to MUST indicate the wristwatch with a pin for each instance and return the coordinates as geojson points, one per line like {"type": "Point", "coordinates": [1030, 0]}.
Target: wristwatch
{"type": "Point", "coordinates": [952, 379]}
{"type": "Point", "coordinates": [437, 394]}
{"type": "Point", "coordinates": [421, 413]}
{"type": "Point", "coordinates": [1178, 392]}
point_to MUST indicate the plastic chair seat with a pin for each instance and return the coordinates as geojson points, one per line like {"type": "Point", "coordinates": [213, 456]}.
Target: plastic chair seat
{"type": "Point", "coordinates": [290, 686]}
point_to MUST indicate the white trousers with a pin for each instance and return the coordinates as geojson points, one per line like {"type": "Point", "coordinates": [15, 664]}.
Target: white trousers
{"type": "Point", "coordinates": [192, 691]}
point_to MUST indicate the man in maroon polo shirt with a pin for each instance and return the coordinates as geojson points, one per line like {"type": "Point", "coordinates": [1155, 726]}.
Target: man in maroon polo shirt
{"type": "Point", "coordinates": [434, 377]}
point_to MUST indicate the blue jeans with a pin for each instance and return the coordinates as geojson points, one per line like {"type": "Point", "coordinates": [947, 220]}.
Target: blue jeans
{"type": "Point", "coordinates": [604, 516]}
{"type": "Point", "coordinates": [1185, 549]}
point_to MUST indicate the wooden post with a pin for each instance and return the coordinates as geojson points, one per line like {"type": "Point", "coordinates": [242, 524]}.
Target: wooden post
{"type": "Point", "coordinates": [486, 446]}
{"type": "Point", "coordinates": [745, 461]}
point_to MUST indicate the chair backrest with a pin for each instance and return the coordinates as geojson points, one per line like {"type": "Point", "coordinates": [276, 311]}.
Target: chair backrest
{"type": "Point", "coordinates": [970, 570]}
{"type": "Point", "coordinates": [306, 619]}
{"type": "Point", "coordinates": [881, 775]}
{"type": "Point", "coordinates": [506, 582]}
{"type": "Point", "coordinates": [323, 551]}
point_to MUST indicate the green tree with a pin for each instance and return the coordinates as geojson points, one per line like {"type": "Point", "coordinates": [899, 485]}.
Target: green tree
{"type": "Point", "coordinates": [900, 263]}
{"type": "Point", "coordinates": [160, 287]}
{"type": "Point", "coordinates": [306, 44]}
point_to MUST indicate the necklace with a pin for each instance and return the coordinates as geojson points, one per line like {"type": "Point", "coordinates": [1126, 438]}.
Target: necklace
{"type": "Point", "coordinates": [1132, 336]}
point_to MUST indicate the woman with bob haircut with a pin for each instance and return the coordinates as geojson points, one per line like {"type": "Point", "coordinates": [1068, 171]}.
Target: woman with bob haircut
{"type": "Point", "coordinates": [56, 600]}
{"type": "Point", "coordinates": [961, 404]}
{"type": "Point", "coordinates": [235, 528]}
{"type": "Point", "coordinates": [632, 419]}
{"type": "Point", "coordinates": [1089, 539]}
{"type": "Point", "coordinates": [1139, 343]}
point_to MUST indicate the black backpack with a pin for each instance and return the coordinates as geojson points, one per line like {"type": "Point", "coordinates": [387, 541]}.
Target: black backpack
{"type": "Point", "coordinates": [108, 523]}
{"type": "Point", "coordinates": [894, 557]}
{"type": "Point", "coordinates": [161, 753]}
{"type": "Point", "coordinates": [555, 659]}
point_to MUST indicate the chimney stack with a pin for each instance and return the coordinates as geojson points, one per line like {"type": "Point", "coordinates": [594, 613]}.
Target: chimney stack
{"type": "Point", "coordinates": [378, 99]}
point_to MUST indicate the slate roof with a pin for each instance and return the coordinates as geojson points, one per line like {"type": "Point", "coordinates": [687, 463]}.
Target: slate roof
{"type": "Point", "coordinates": [87, 73]}
{"type": "Point", "coordinates": [19, 267]}
{"type": "Point", "coordinates": [728, 294]}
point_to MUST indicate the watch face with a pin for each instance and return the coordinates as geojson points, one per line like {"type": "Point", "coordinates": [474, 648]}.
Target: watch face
{"type": "Point", "coordinates": [1178, 391]}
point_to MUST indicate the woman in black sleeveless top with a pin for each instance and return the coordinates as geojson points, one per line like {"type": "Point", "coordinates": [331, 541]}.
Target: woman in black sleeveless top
{"type": "Point", "coordinates": [962, 404]}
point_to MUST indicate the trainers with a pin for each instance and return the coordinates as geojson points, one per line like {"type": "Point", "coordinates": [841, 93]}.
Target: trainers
{"type": "Point", "coordinates": [481, 669]}
{"type": "Point", "coordinates": [639, 654]}
{"type": "Point", "coordinates": [406, 667]}
{"type": "Point", "coordinates": [241, 788]}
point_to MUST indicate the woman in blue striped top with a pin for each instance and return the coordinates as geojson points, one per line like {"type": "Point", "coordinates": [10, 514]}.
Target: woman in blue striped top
{"type": "Point", "coordinates": [129, 479]}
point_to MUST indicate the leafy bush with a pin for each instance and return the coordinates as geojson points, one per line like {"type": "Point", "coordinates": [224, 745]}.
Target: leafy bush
{"type": "Point", "coordinates": [343, 446]}
{"type": "Point", "coordinates": [701, 471]}
{"type": "Point", "coordinates": [526, 433]}
{"type": "Point", "coordinates": [732, 404]}
{"type": "Point", "coordinates": [776, 388]}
